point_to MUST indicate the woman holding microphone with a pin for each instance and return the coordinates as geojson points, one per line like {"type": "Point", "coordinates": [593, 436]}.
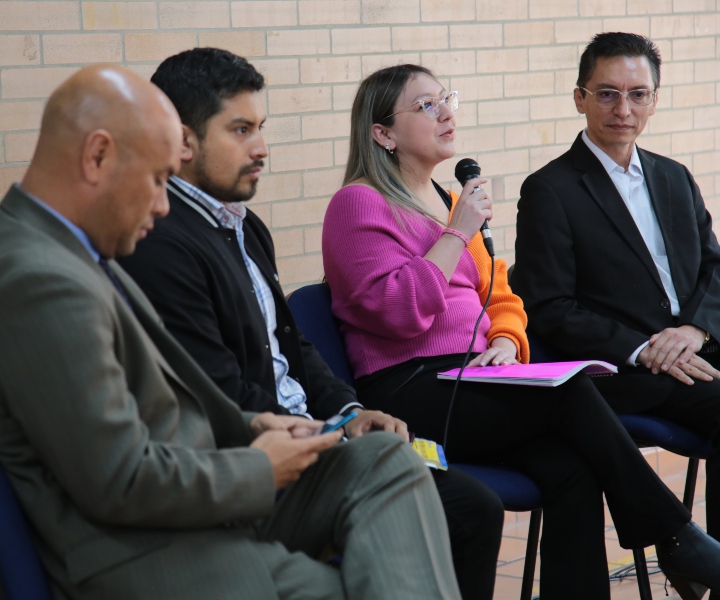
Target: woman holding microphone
{"type": "Point", "coordinates": [409, 276]}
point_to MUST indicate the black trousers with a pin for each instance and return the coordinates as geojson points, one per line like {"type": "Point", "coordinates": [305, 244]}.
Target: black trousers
{"type": "Point", "coordinates": [697, 407]}
{"type": "Point", "coordinates": [475, 517]}
{"type": "Point", "coordinates": [566, 439]}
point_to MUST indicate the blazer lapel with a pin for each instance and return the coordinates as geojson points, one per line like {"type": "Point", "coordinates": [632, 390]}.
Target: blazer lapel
{"type": "Point", "coordinates": [659, 189]}
{"type": "Point", "coordinates": [603, 191]}
{"type": "Point", "coordinates": [18, 203]}
{"type": "Point", "coordinates": [151, 324]}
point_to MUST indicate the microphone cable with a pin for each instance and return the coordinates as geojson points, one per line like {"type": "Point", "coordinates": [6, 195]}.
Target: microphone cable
{"type": "Point", "coordinates": [469, 351]}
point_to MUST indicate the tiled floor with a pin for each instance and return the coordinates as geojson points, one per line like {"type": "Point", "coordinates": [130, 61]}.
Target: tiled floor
{"type": "Point", "coordinates": [672, 470]}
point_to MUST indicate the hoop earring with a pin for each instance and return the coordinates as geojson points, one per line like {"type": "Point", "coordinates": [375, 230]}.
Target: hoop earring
{"type": "Point", "coordinates": [387, 147]}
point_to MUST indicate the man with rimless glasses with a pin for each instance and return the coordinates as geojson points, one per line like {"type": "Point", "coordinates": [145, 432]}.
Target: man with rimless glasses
{"type": "Point", "coordinates": [616, 257]}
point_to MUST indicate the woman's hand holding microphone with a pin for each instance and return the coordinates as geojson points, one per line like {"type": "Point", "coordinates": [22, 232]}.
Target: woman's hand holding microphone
{"type": "Point", "coordinates": [472, 209]}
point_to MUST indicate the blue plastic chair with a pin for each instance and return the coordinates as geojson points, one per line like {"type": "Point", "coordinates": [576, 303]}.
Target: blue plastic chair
{"type": "Point", "coordinates": [21, 574]}
{"type": "Point", "coordinates": [647, 431]}
{"type": "Point", "coordinates": [311, 307]}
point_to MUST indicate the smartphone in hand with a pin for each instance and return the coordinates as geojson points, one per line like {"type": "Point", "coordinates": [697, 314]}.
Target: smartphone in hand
{"type": "Point", "coordinates": [337, 422]}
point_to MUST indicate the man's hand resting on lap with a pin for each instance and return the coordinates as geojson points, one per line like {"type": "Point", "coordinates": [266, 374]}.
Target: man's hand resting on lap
{"type": "Point", "coordinates": [673, 351]}
{"type": "Point", "coordinates": [672, 346]}
{"type": "Point", "coordinates": [374, 420]}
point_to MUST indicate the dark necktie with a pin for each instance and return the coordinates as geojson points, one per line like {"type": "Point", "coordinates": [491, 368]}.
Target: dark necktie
{"type": "Point", "coordinates": [105, 266]}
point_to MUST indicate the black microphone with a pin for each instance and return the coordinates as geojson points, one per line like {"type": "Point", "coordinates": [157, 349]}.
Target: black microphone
{"type": "Point", "coordinates": [466, 170]}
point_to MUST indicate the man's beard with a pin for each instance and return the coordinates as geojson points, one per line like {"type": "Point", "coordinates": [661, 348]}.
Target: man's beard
{"type": "Point", "coordinates": [232, 193]}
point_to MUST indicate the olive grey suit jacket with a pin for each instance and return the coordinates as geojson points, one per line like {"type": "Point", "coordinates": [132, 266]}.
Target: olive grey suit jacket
{"type": "Point", "coordinates": [114, 439]}
{"type": "Point", "coordinates": [133, 467]}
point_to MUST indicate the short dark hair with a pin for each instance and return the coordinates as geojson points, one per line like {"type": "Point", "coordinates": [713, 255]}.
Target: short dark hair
{"type": "Point", "coordinates": [198, 80]}
{"type": "Point", "coordinates": [611, 44]}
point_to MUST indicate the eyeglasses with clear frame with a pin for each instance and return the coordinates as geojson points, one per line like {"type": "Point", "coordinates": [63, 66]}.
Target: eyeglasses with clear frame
{"type": "Point", "coordinates": [608, 98]}
{"type": "Point", "coordinates": [431, 106]}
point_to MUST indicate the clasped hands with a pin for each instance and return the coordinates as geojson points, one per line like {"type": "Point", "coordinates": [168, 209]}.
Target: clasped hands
{"type": "Point", "coordinates": [674, 351]}
{"type": "Point", "coordinates": [292, 444]}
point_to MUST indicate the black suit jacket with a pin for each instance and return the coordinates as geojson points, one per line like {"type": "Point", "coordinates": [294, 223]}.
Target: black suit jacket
{"type": "Point", "coordinates": [587, 279]}
{"type": "Point", "coordinates": [192, 270]}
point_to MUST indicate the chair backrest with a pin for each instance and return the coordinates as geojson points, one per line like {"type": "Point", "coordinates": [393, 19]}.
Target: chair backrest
{"type": "Point", "coordinates": [541, 351]}
{"type": "Point", "coordinates": [312, 308]}
{"type": "Point", "coordinates": [21, 574]}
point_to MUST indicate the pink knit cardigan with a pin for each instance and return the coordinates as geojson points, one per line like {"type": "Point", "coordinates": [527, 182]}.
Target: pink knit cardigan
{"type": "Point", "coordinates": [393, 304]}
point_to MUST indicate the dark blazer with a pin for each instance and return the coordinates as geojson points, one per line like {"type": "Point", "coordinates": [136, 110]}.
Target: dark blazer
{"type": "Point", "coordinates": [115, 441]}
{"type": "Point", "coordinates": [192, 270]}
{"type": "Point", "coordinates": [587, 279]}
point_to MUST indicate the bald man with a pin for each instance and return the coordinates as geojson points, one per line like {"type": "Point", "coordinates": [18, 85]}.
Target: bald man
{"type": "Point", "coordinates": [139, 477]}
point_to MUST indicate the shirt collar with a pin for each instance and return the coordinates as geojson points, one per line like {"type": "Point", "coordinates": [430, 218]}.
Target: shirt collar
{"type": "Point", "coordinates": [77, 232]}
{"type": "Point", "coordinates": [220, 211]}
{"type": "Point", "coordinates": [608, 163]}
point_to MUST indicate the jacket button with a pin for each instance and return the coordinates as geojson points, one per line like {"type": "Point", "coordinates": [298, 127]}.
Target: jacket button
{"type": "Point", "coordinates": [665, 303]}
{"type": "Point", "coordinates": [287, 329]}
{"type": "Point", "coordinates": [267, 347]}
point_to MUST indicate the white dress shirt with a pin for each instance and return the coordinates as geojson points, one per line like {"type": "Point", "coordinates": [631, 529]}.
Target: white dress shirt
{"type": "Point", "coordinates": [632, 187]}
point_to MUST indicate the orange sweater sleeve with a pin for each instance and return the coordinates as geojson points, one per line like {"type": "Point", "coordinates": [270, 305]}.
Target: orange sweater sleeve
{"type": "Point", "coordinates": [507, 317]}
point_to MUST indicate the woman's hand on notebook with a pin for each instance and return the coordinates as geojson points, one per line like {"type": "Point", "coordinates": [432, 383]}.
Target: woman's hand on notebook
{"type": "Point", "coordinates": [502, 351]}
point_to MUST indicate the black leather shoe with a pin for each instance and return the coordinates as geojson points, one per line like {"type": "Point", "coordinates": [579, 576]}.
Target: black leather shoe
{"type": "Point", "coordinates": [691, 562]}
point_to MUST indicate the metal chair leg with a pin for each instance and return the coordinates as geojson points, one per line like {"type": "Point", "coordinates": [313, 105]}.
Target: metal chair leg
{"type": "Point", "coordinates": [692, 472]}
{"type": "Point", "coordinates": [642, 574]}
{"type": "Point", "coordinates": [531, 554]}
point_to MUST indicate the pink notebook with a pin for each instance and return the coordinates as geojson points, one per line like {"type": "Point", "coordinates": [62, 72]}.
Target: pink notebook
{"type": "Point", "coordinates": [539, 374]}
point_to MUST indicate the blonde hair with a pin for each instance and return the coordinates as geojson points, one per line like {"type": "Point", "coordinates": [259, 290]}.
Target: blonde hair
{"type": "Point", "coordinates": [374, 101]}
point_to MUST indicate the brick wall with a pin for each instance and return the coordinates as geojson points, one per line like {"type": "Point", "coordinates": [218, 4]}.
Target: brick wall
{"type": "Point", "coordinates": [513, 61]}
